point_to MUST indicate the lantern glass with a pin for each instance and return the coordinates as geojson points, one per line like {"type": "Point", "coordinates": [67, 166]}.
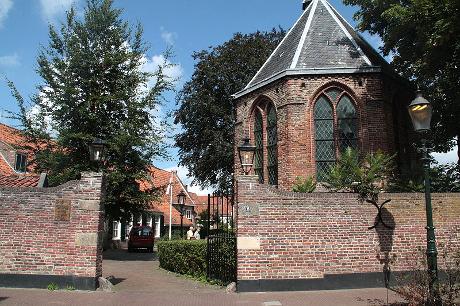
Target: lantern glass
{"type": "Point", "coordinates": [97, 149]}
{"type": "Point", "coordinates": [420, 111]}
{"type": "Point", "coordinates": [246, 153]}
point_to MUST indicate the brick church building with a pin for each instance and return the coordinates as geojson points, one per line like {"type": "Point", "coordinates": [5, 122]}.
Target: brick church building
{"type": "Point", "coordinates": [323, 89]}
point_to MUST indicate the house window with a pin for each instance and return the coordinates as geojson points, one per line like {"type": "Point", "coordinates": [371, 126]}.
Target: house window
{"type": "Point", "coordinates": [272, 147]}
{"type": "Point", "coordinates": [157, 226]}
{"type": "Point", "coordinates": [115, 230]}
{"type": "Point", "coordinates": [21, 162]}
{"type": "Point", "coordinates": [188, 214]}
{"type": "Point", "coordinates": [333, 134]}
{"type": "Point", "coordinates": [259, 143]}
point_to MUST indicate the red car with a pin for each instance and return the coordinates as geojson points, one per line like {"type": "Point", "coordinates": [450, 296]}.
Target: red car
{"type": "Point", "coordinates": [141, 237]}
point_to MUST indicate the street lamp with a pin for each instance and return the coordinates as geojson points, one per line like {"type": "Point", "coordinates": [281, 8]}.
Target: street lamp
{"type": "Point", "coordinates": [246, 153]}
{"type": "Point", "coordinates": [420, 111]}
{"type": "Point", "coordinates": [181, 203]}
{"type": "Point", "coordinates": [97, 149]}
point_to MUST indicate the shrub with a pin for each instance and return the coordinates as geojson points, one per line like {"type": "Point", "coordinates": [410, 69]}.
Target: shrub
{"type": "Point", "coordinates": [52, 287]}
{"type": "Point", "coordinates": [364, 176]}
{"type": "Point", "coordinates": [415, 285]}
{"type": "Point", "coordinates": [183, 256]}
{"type": "Point", "coordinates": [307, 184]}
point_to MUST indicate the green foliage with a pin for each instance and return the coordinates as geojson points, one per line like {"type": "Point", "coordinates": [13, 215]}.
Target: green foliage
{"type": "Point", "coordinates": [443, 178]}
{"type": "Point", "coordinates": [70, 288]}
{"type": "Point", "coordinates": [183, 256]}
{"type": "Point", "coordinates": [94, 85]}
{"type": "Point", "coordinates": [422, 37]}
{"type": "Point", "coordinates": [52, 287]}
{"type": "Point", "coordinates": [364, 176]}
{"type": "Point", "coordinates": [307, 184]}
{"type": "Point", "coordinates": [206, 105]}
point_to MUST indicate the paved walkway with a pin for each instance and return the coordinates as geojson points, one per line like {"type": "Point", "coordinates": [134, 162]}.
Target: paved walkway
{"type": "Point", "coordinates": [139, 281]}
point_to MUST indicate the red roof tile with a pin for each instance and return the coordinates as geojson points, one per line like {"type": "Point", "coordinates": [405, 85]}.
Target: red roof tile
{"type": "Point", "coordinates": [29, 180]}
{"type": "Point", "coordinates": [161, 179]}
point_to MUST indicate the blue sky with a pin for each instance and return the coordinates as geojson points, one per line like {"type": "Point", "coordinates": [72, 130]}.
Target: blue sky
{"type": "Point", "coordinates": [186, 25]}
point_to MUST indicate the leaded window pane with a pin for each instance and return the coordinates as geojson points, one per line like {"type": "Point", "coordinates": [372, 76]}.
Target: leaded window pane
{"type": "Point", "coordinates": [347, 124]}
{"type": "Point", "coordinates": [324, 137]}
{"type": "Point", "coordinates": [323, 109]}
{"type": "Point", "coordinates": [272, 147]}
{"type": "Point", "coordinates": [258, 142]}
{"type": "Point", "coordinates": [333, 93]}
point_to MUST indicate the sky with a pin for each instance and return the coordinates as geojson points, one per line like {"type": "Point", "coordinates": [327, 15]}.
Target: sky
{"type": "Point", "coordinates": [184, 25]}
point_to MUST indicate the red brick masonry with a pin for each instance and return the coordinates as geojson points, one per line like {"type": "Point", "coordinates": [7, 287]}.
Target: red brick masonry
{"type": "Point", "coordinates": [284, 235]}
{"type": "Point", "coordinates": [52, 232]}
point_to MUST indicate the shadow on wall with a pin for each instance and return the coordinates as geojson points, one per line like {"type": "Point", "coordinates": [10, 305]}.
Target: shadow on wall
{"type": "Point", "coordinates": [385, 232]}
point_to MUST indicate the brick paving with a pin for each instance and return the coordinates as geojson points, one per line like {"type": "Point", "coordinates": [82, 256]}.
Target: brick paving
{"type": "Point", "coordinates": [139, 281]}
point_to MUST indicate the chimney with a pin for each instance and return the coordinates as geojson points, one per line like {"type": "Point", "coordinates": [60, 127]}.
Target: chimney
{"type": "Point", "coordinates": [305, 4]}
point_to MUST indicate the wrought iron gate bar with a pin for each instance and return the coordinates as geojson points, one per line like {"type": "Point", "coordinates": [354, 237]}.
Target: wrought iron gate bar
{"type": "Point", "coordinates": [221, 240]}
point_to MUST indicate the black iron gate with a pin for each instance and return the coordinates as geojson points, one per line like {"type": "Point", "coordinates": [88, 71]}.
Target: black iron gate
{"type": "Point", "coordinates": [221, 248]}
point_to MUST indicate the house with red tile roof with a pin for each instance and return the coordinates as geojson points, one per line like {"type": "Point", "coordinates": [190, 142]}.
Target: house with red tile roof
{"type": "Point", "coordinates": [15, 170]}
{"type": "Point", "coordinates": [164, 213]}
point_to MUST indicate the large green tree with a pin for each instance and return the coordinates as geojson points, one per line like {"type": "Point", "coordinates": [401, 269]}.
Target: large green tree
{"type": "Point", "coordinates": [206, 106]}
{"type": "Point", "coordinates": [423, 38]}
{"type": "Point", "coordinates": [94, 85]}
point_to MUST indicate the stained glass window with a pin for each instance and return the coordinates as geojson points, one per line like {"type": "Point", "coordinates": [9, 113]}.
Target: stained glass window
{"type": "Point", "coordinates": [272, 147]}
{"type": "Point", "coordinates": [324, 137]}
{"type": "Point", "coordinates": [347, 124]}
{"type": "Point", "coordinates": [258, 142]}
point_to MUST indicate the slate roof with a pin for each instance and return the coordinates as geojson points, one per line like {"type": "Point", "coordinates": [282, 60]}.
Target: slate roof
{"type": "Point", "coordinates": [320, 42]}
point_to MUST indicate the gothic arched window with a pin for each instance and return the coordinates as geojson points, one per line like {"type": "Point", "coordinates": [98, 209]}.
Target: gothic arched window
{"type": "Point", "coordinates": [333, 134]}
{"type": "Point", "coordinates": [259, 143]}
{"type": "Point", "coordinates": [347, 124]}
{"type": "Point", "coordinates": [264, 123]}
{"type": "Point", "coordinates": [272, 147]}
{"type": "Point", "coordinates": [324, 137]}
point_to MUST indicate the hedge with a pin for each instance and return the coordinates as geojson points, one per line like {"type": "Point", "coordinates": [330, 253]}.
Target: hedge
{"type": "Point", "coordinates": [183, 256]}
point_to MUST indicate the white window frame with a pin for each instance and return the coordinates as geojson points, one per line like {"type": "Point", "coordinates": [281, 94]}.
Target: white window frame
{"type": "Point", "coordinates": [157, 226]}
{"type": "Point", "coordinates": [23, 160]}
{"type": "Point", "coordinates": [116, 230]}
{"type": "Point", "coordinates": [188, 214]}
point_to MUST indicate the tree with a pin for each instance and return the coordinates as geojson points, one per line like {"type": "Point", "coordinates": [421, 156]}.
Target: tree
{"type": "Point", "coordinates": [206, 105]}
{"type": "Point", "coordinates": [94, 86]}
{"type": "Point", "coordinates": [422, 36]}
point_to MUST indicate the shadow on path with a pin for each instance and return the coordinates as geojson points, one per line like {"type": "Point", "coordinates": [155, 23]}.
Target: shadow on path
{"type": "Point", "coordinates": [124, 255]}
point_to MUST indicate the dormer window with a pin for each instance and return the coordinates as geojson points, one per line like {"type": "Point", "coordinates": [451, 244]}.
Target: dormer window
{"type": "Point", "coordinates": [188, 214]}
{"type": "Point", "coordinates": [21, 162]}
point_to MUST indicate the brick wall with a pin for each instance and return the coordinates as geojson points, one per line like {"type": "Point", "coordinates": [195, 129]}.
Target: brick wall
{"type": "Point", "coordinates": [52, 234]}
{"type": "Point", "coordinates": [376, 98]}
{"type": "Point", "coordinates": [285, 236]}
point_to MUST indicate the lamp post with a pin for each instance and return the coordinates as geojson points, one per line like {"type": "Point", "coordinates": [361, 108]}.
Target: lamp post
{"type": "Point", "coordinates": [246, 154]}
{"type": "Point", "coordinates": [420, 111]}
{"type": "Point", "coordinates": [97, 149]}
{"type": "Point", "coordinates": [181, 202]}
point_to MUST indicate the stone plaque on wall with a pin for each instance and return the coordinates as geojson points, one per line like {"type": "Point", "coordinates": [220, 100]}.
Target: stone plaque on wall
{"type": "Point", "coordinates": [62, 210]}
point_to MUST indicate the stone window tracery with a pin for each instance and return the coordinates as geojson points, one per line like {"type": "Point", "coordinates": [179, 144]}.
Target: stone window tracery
{"type": "Point", "coordinates": [336, 128]}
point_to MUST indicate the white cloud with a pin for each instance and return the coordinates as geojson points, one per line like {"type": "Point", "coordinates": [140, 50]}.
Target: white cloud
{"type": "Point", "coordinates": [171, 70]}
{"type": "Point", "coordinates": [53, 8]}
{"type": "Point", "coordinates": [446, 158]}
{"type": "Point", "coordinates": [9, 60]}
{"type": "Point", "coordinates": [5, 7]}
{"type": "Point", "coordinates": [183, 174]}
{"type": "Point", "coordinates": [168, 37]}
